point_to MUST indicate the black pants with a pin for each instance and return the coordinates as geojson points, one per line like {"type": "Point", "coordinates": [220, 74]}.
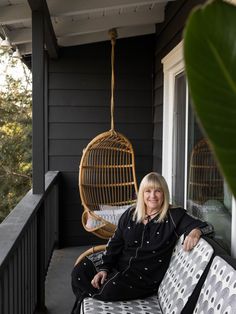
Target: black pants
{"type": "Point", "coordinates": [81, 277]}
{"type": "Point", "coordinates": [118, 286]}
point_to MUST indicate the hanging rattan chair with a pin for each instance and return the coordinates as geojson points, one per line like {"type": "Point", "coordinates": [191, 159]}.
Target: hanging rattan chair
{"type": "Point", "coordinates": [107, 176]}
{"type": "Point", "coordinates": [205, 180]}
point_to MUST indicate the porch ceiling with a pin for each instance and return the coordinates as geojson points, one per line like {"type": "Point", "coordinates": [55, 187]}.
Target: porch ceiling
{"type": "Point", "coordinates": [80, 22]}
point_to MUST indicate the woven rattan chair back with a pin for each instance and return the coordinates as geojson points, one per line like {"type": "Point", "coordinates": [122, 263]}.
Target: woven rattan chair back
{"type": "Point", "coordinates": [107, 171]}
{"type": "Point", "coordinates": [107, 177]}
{"type": "Point", "coordinates": [205, 180]}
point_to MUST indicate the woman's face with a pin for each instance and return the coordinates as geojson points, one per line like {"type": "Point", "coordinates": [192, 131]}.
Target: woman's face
{"type": "Point", "coordinates": [153, 199]}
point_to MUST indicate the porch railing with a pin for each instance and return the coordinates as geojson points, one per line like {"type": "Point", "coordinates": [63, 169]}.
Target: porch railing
{"type": "Point", "coordinates": [27, 238]}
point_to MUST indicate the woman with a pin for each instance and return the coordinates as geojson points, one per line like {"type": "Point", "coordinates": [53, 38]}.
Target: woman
{"type": "Point", "coordinates": [139, 252]}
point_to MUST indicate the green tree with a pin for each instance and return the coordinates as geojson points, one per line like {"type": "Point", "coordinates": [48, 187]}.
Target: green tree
{"type": "Point", "coordinates": [15, 133]}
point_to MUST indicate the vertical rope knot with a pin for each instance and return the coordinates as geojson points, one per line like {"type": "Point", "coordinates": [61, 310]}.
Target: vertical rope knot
{"type": "Point", "coordinates": [113, 35]}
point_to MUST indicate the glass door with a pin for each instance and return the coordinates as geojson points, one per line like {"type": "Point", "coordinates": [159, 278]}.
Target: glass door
{"type": "Point", "coordinates": [188, 164]}
{"type": "Point", "coordinates": [208, 196]}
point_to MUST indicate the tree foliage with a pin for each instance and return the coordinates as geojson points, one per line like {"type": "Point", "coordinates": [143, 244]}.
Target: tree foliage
{"type": "Point", "coordinates": [15, 134]}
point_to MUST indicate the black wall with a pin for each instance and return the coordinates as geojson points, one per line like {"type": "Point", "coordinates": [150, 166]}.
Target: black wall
{"type": "Point", "coordinates": [168, 35]}
{"type": "Point", "coordinates": [79, 109]}
{"type": "Point", "coordinates": [79, 106]}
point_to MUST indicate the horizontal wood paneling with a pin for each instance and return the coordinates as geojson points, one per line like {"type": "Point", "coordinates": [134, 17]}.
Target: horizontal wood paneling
{"type": "Point", "coordinates": [99, 98]}
{"type": "Point", "coordinates": [158, 131]}
{"type": "Point", "coordinates": [70, 81]}
{"type": "Point", "coordinates": [158, 114]}
{"type": "Point", "coordinates": [100, 65]}
{"type": "Point", "coordinates": [100, 115]}
{"type": "Point", "coordinates": [156, 151]}
{"type": "Point", "coordinates": [75, 147]}
{"type": "Point", "coordinates": [125, 48]}
{"type": "Point", "coordinates": [71, 195]}
{"type": "Point", "coordinates": [90, 130]}
{"type": "Point", "coordinates": [79, 110]}
{"type": "Point", "coordinates": [168, 35]}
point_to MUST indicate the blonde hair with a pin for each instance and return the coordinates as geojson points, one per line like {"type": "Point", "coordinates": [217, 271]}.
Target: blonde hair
{"type": "Point", "coordinates": [152, 180]}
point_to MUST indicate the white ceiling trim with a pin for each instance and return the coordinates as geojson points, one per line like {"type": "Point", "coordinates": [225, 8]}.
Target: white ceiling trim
{"type": "Point", "coordinates": [108, 22]}
{"type": "Point", "coordinates": [65, 29]}
{"type": "Point", "coordinates": [21, 12]}
{"type": "Point", "coordinates": [78, 22]}
{"type": "Point", "coordinates": [14, 14]}
{"type": "Point", "coordinates": [72, 7]}
{"type": "Point", "coordinates": [20, 36]}
{"type": "Point", "coordinates": [25, 49]}
{"type": "Point", "coordinates": [123, 32]}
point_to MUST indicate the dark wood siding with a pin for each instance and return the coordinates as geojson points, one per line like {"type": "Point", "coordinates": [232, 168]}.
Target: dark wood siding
{"type": "Point", "coordinates": [79, 109]}
{"type": "Point", "coordinates": [168, 35]}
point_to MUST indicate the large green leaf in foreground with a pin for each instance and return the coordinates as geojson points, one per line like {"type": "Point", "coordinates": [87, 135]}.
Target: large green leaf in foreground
{"type": "Point", "coordinates": [210, 58]}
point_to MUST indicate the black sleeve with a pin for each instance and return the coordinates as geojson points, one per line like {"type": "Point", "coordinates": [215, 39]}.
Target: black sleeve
{"type": "Point", "coordinates": [208, 230]}
{"type": "Point", "coordinates": [186, 223]}
{"type": "Point", "coordinates": [115, 245]}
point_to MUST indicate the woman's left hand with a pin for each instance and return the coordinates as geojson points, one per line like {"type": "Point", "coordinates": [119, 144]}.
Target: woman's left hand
{"type": "Point", "coordinates": [191, 240]}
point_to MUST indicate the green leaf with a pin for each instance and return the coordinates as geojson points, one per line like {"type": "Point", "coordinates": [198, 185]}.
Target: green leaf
{"type": "Point", "coordinates": [210, 59]}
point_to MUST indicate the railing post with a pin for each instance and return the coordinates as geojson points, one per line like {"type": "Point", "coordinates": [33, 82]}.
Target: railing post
{"type": "Point", "coordinates": [38, 97]}
{"type": "Point", "coordinates": [41, 260]}
{"type": "Point", "coordinates": [27, 239]}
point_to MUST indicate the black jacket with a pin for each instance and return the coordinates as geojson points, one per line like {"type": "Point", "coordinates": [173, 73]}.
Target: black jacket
{"type": "Point", "coordinates": [148, 248]}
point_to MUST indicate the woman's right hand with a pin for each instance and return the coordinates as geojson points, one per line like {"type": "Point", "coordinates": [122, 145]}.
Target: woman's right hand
{"type": "Point", "coordinates": [99, 279]}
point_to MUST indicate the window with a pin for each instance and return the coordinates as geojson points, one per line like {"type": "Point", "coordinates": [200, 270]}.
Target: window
{"type": "Point", "coordinates": [178, 138]}
{"type": "Point", "coordinates": [208, 196]}
{"type": "Point", "coordinates": [189, 166]}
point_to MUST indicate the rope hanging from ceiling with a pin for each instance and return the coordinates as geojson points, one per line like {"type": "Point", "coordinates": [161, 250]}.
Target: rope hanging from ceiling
{"type": "Point", "coordinates": [107, 179]}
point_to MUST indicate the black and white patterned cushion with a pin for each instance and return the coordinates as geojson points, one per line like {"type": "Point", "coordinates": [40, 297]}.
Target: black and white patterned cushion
{"type": "Point", "coordinates": [182, 275]}
{"type": "Point", "coordinates": [139, 306]}
{"type": "Point", "coordinates": [96, 258]}
{"type": "Point", "coordinates": [218, 294]}
{"type": "Point", "coordinates": [184, 272]}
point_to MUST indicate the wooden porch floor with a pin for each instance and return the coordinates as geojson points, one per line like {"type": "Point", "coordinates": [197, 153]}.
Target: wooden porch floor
{"type": "Point", "coordinates": [59, 296]}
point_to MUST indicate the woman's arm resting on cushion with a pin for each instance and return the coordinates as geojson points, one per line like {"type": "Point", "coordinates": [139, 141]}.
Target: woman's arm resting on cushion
{"type": "Point", "coordinates": [191, 227]}
{"type": "Point", "coordinates": [192, 239]}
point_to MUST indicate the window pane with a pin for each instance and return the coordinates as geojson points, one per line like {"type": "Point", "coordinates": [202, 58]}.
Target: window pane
{"type": "Point", "coordinates": [208, 195]}
{"type": "Point", "coordinates": [179, 140]}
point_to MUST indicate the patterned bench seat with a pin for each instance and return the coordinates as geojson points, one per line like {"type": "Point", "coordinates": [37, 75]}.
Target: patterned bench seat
{"type": "Point", "coordinates": [218, 294]}
{"type": "Point", "coordinates": [148, 305]}
{"type": "Point", "coordinates": [174, 295]}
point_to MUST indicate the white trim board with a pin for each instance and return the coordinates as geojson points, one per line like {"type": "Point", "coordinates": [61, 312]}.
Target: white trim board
{"type": "Point", "coordinates": [173, 64]}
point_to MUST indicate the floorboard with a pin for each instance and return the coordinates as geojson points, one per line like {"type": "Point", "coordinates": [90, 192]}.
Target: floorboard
{"type": "Point", "coordinates": [59, 296]}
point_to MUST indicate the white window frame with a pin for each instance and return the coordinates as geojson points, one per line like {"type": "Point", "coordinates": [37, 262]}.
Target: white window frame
{"type": "Point", "coordinates": [173, 64]}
